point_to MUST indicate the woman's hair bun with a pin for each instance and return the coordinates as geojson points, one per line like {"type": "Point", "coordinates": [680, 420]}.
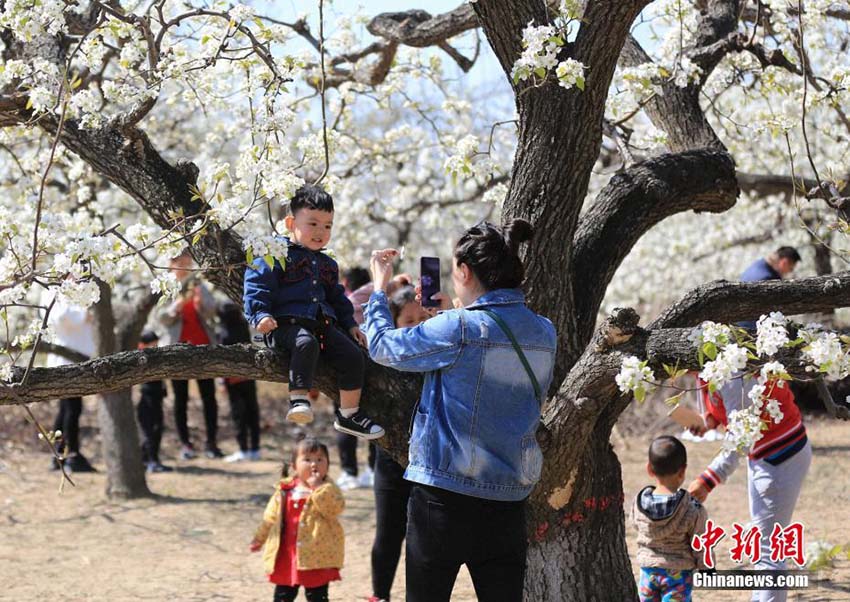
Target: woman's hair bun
{"type": "Point", "coordinates": [517, 231]}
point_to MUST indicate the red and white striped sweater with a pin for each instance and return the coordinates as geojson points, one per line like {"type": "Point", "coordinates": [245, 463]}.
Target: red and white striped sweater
{"type": "Point", "coordinates": [779, 442]}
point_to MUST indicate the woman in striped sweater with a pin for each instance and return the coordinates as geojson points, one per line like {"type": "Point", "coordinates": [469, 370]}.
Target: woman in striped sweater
{"type": "Point", "coordinates": [777, 465]}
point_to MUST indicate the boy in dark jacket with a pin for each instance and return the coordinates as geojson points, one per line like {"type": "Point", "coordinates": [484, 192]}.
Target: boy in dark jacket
{"type": "Point", "coordinates": [149, 413]}
{"type": "Point", "coordinates": [300, 306]}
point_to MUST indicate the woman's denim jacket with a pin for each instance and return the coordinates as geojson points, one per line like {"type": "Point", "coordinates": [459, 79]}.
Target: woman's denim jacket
{"type": "Point", "coordinates": [309, 282]}
{"type": "Point", "coordinates": [473, 431]}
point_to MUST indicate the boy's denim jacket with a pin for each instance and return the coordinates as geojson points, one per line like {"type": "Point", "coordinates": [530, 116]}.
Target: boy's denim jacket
{"type": "Point", "coordinates": [309, 282]}
{"type": "Point", "coordinates": [473, 431]}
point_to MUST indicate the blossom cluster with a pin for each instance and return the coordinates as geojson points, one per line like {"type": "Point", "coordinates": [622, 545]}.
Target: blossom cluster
{"type": "Point", "coordinates": [542, 45]}
{"type": "Point", "coordinates": [635, 377]}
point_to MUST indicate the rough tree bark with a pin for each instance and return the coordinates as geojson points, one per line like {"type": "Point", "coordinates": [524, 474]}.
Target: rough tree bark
{"type": "Point", "coordinates": [125, 473]}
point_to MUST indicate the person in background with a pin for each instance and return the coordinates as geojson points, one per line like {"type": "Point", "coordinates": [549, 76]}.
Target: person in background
{"type": "Point", "coordinates": [775, 266]}
{"type": "Point", "coordinates": [777, 464]}
{"type": "Point", "coordinates": [242, 391]}
{"type": "Point", "coordinates": [354, 279]}
{"type": "Point", "coordinates": [149, 413]}
{"type": "Point", "coordinates": [189, 319]}
{"type": "Point", "coordinates": [74, 328]}
{"type": "Point", "coordinates": [392, 492]}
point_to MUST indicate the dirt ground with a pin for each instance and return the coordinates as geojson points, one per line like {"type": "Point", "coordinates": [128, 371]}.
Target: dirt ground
{"type": "Point", "coordinates": [189, 543]}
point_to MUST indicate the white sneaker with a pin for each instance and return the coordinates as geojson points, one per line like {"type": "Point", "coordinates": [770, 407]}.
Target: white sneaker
{"type": "Point", "coordinates": [347, 482]}
{"type": "Point", "coordinates": [300, 412]}
{"type": "Point", "coordinates": [238, 456]}
{"type": "Point", "coordinates": [366, 478]}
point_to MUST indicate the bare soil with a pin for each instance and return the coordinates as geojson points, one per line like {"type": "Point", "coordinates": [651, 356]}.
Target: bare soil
{"type": "Point", "coordinates": [190, 541]}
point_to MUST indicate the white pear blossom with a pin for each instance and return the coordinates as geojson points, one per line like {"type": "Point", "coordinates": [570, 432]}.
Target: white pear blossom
{"type": "Point", "coordinates": [744, 429]}
{"type": "Point", "coordinates": [6, 372]}
{"type": "Point", "coordinates": [635, 377]}
{"type": "Point", "coordinates": [728, 362]}
{"type": "Point", "coordinates": [166, 284]}
{"type": "Point", "coordinates": [81, 293]}
{"type": "Point", "coordinates": [570, 73]}
{"type": "Point", "coordinates": [771, 333]}
{"type": "Point", "coordinates": [828, 356]}
{"type": "Point", "coordinates": [719, 335]}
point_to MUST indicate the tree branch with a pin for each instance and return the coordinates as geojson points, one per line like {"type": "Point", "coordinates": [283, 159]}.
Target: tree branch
{"type": "Point", "coordinates": [677, 111]}
{"type": "Point", "coordinates": [381, 394]}
{"type": "Point", "coordinates": [418, 28]}
{"type": "Point", "coordinates": [634, 201]}
{"type": "Point", "coordinates": [725, 301]}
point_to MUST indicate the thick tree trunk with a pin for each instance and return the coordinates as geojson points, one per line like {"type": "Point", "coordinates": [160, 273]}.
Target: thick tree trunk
{"type": "Point", "coordinates": [582, 555]}
{"type": "Point", "coordinates": [125, 473]}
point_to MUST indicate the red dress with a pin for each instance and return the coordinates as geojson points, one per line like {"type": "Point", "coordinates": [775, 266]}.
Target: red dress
{"type": "Point", "coordinates": [286, 564]}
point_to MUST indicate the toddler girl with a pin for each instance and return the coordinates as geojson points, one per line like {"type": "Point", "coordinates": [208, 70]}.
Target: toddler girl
{"type": "Point", "coordinates": [303, 538]}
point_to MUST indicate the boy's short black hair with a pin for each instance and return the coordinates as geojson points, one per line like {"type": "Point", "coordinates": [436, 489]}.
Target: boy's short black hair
{"type": "Point", "coordinates": [311, 197]}
{"type": "Point", "coordinates": [148, 336]}
{"type": "Point", "coordinates": [667, 456]}
{"type": "Point", "coordinates": [356, 277]}
{"type": "Point", "coordinates": [788, 253]}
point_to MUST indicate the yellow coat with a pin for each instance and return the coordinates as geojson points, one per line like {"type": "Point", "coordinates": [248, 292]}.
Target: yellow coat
{"type": "Point", "coordinates": [320, 542]}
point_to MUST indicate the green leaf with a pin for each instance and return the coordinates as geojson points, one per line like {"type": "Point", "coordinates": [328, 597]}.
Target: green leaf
{"type": "Point", "coordinates": [640, 395]}
{"type": "Point", "coordinates": [249, 255]}
{"type": "Point", "coordinates": [197, 237]}
{"type": "Point", "coordinates": [556, 40]}
{"type": "Point", "coordinates": [680, 373]}
{"type": "Point", "coordinates": [710, 350]}
{"type": "Point", "coordinates": [580, 83]}
{"type": "Point", "coordinates": [674, 401]}
{"type": "Point", "coordinates": [29, 103]}
{"type": "Point", "coordinates": [269, 261]}
{"type": "Point", "coordinates": [670, 370]}
{"type": "Point", "coordinates": [700, 357]}
{"type": "Point", "coordinates": [540, 72]}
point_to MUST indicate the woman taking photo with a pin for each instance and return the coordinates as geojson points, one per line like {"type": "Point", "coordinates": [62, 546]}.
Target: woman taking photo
{"type": "Point", "coordinates": [473, 456]}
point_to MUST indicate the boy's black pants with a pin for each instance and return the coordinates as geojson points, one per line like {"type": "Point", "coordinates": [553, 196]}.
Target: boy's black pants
{"type": "Point", "coordinates": [149, 413]}
{"type": "Point", "coordinates": [391, 497]}
{"type": "Point", "coordinates": [246, 413]}
{"type": "Point", "coordinates": [301, 339]}
{"type": "Point", "coordinates": [446, 530]}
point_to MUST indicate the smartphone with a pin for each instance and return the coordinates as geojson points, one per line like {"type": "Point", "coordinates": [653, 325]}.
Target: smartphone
{"type": "Point", "coordinates": [429, 279]}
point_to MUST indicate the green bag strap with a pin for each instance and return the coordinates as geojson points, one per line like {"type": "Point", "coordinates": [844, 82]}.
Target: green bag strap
{"type": "Point", "coordinates": [503, 325]}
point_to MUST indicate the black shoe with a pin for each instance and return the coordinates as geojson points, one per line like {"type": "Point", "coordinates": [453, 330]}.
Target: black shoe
{"type": "Point", "coordinates": [79, 463]}
{"type": "Point", "coordinates": [213, 453]}
{"type": "Point", "coordinates": [157, 467]}
{"type": "Point", "coordinates": [359, 425]}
